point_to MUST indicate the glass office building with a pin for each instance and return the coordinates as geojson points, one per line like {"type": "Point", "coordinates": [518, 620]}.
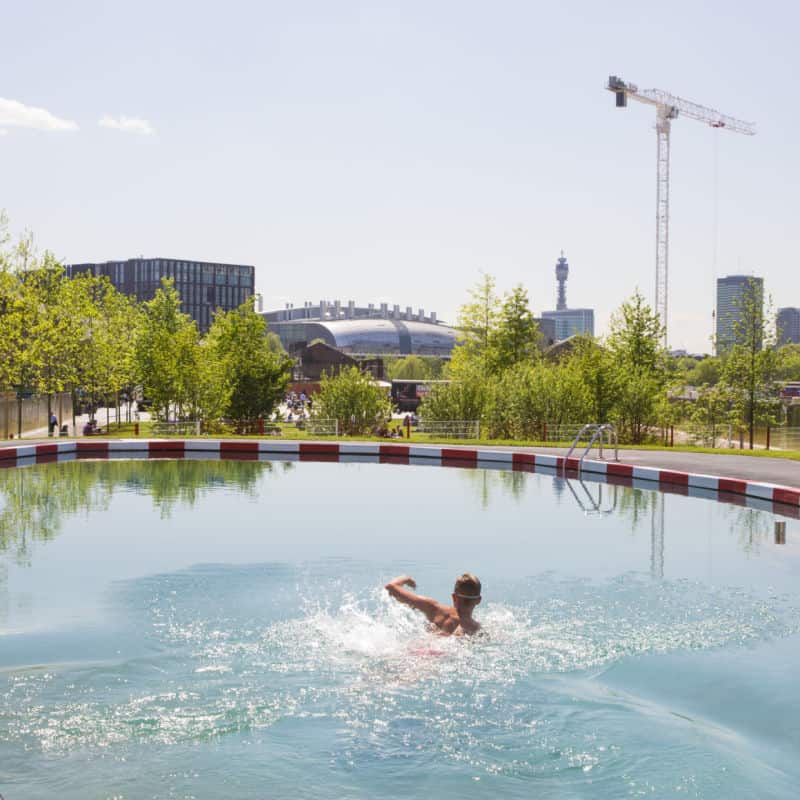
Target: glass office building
{"type": "Point", "coordinates": [203, 286]}
{"type": "Point", "coordinates": [732, 292]}
{"type": "Point", "coordinates": [788, 326]}
{"type": "Point", "coordinates": [571, 322]}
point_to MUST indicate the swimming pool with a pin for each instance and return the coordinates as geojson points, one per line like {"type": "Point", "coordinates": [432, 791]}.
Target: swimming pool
{"type": "Point", "coordinates": [180, 629]}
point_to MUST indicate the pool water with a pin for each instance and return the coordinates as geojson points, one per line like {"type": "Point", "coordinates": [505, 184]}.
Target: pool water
{"type": "Point", "coordinates": [212, 629]}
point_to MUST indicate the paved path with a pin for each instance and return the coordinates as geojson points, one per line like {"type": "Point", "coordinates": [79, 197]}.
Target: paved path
{"type": "Point", "coordinates": [782, 471]}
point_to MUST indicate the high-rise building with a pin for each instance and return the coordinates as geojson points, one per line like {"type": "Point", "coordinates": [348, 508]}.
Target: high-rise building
{"type": "Point", "coordinates": [732, 295]}
{"type": "Point", "coordinates": [788, 326]}
{"type": "Point", "coordinates": [571, 322]}
{"type": "Point", "coordinates": [202, 286]}
{"type": "Point", "coordinates": [568, 321]}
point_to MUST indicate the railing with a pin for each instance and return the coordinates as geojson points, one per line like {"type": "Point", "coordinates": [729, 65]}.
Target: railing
{"type": "Point", "coordinates": [450, 428]}
{"type": "Point", "coordinates": [595, 506]}
{"type": "Point", "coordinates": [170, 428]}
{"type": "Point", "coordinates": [722, 437]}
{"type": "Point", "coordinates": [597, 432]}
{"type": "Point", "coordinates": [784, 438]}
{"type": "Point", "coordinates": [317, 426]}
{"type": "Point", "coordinates": [554, 433]}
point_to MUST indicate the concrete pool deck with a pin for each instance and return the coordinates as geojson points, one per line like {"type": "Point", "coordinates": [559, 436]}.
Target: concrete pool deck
{"type": "Point", "coordinates": [782, 471]}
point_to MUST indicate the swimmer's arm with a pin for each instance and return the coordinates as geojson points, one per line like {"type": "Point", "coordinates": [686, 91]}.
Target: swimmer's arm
{"type": "Point", "coordinates": [427, 605]}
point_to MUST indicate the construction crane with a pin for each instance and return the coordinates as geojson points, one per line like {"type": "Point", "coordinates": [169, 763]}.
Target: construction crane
{"type": "Point", "coordinates": [668, 107]}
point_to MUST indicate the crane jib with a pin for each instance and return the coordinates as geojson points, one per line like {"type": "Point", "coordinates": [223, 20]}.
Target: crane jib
{"type": "Point", "coordinates": [668, 107]}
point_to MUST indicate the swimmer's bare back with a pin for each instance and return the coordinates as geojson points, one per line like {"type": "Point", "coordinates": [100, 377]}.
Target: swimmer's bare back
{"type": "Point", "coordinates": [444, 620]}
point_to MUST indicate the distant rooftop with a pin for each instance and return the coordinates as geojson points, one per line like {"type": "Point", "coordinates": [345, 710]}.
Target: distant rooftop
{"type": "Point", "coordinates": [332, 310]}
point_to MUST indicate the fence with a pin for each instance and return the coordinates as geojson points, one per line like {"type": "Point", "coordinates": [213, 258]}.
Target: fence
{"type": "Point", "coordinates": [34, 412]}
{"type": "Point", "coordinates": [785, 438]}
{"type": "Point", "coordinates": [191, 428]}
{"type": "Point", "coordinates": [561, 433]}
{"type": "Point", "coordinates": [451, 428]}
{"type": "Point", "coordinates": [471, 429]}
{"type": "Point", "coordinates": [724, 437]}
{"type": "Point", "coordinates": [321, 427]}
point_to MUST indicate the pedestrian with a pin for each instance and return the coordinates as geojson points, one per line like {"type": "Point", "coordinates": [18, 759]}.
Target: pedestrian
{"type": "Point", "coordinates": [53, 424]}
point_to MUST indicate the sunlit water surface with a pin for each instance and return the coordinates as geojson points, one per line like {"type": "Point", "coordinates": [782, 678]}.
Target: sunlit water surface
{"type": "Point", "coordinates": [196, 629]}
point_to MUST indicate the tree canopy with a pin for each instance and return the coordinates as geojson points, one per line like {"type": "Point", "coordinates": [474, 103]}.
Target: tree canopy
{"type": "Point", "coordinates": [59, 333]}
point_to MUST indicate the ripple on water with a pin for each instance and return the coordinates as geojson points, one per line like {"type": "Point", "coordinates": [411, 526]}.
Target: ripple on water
{"type": "Point", "coordinates": [516, 702]}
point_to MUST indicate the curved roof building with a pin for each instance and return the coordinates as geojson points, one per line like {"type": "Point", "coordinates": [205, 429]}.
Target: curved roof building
{"type": "Point", "coordinates": [369, 336]}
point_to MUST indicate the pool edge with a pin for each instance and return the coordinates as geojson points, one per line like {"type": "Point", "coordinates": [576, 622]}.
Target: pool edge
{"type": "Point", "coordinates": [784, 499]}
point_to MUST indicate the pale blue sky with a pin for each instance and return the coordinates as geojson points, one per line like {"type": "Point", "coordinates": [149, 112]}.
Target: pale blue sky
{"type": "Point", "coordinates": [391, 151]}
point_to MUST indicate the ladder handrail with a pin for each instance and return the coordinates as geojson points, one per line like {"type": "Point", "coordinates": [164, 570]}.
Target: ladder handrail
{"type": "Point", "coordinates": [596, 509]}
{"type": "Point", "coordinates": [576, 440]}
{"type": "Point", "coordinates": [597, 431]}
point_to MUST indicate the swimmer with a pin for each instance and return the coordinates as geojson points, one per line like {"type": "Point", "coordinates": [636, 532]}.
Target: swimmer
{"type": "Point", "coordinates": [455, 620]}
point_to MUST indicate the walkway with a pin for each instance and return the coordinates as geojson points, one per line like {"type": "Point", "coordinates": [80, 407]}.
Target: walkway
{"type": "Point", "coordinates": [780, 471]}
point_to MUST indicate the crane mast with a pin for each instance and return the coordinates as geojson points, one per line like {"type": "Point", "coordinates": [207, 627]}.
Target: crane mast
{"type": "Point", "coordinates": [669, 107]}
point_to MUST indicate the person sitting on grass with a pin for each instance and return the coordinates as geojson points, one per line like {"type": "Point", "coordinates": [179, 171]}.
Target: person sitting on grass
{"type": "Point", "coordinates": [455, 620]}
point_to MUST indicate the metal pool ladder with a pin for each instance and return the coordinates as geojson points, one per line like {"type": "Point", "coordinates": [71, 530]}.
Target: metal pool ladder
{"type": "Point", "coordinates": [597, 431]}
{"type": "Point", "coordinates": [595, 508]}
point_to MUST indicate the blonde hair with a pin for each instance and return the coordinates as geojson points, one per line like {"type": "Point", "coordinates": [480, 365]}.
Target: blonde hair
{"type": "Point", "coordinates": [468, 586]}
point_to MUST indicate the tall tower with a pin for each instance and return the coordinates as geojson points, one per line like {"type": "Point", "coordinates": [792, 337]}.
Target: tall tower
{"type": "Point", "coordinates": [562, 271]}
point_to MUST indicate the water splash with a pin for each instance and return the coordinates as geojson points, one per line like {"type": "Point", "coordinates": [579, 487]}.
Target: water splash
{"type": "Point", "coordinates": [368, 663]}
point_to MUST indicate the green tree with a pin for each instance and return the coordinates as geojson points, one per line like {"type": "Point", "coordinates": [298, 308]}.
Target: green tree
{"type": "Point", "coordinates": [466, 397]}
{"type": "Point", "coordinates": [108, 330]}
{"type": "Point", "coordinates": [257, 376]}
{"type": "Point", "coordinates": [750, 367]}
{"type": "Point", "coordinates": [478, 317]}
{"type": "Point", "coordinates": [15, 335]}
{"type": "Point", "coordinates": [165, 350]}
{"type": "Point", "coordinates": [411, 367]}
{"type": "Point", "coordinates": [639, 360]}
{"type": "Point", "coordinates": [274, 343]}
{"type": "Point", "coordinates": [703, 372]}
{"type": "Point", "coordinates": [24, 314]}
{"type": "Point", "coordinates": [710, 414]}
{"type": "Point", "coordinates": [594, 365]}
{"type": "Point", "coordinates": [788, 362]}
{"type": "Point", "coordinates": [354, 400]}
{"type": "Point", "coordinates": [41, 317]}
{"type": "Point", "coordinates": [528, 397]}
{"type": "Point", "coordinates": [208, 386]}
{"type": "Point", "coordinates": [515, 337]}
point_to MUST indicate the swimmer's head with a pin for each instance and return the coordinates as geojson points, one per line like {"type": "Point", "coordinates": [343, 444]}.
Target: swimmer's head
{"type": "Point", "coordinates": [467, 591]}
